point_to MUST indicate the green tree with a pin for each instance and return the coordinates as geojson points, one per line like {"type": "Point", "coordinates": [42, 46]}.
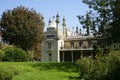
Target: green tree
{"type": "Point", "coordinates": [22, 27]}
{"type": "Point", "coordinates": [88, 22]}
{"type": "Point", "coordinates": [107, 19]}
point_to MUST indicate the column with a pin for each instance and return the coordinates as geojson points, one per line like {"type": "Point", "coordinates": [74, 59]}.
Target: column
{"type": "Point", "coordinates": [72, 56]}
{"type": "Point", "coordinates": [63, 56]}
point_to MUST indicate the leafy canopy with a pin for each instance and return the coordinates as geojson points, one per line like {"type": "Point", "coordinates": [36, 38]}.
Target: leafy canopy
{"type": "Point", "coordinates": [104, 16]}
{"type": "Point", "coordinates": [22, 27]}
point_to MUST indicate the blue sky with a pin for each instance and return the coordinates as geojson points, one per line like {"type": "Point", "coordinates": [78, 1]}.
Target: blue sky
{"type": "Point", "coordinates": [49, 8]}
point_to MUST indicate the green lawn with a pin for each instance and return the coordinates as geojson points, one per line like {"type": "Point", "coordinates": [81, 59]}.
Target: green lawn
{"type": "Point", "coordinates": [42, 71]}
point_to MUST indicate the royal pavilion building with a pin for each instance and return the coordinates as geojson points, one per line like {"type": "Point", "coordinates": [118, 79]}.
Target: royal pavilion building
{"type": "Point", "coordinates": [62, 45]}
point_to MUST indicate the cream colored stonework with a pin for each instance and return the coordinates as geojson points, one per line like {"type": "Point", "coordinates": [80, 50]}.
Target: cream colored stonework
{"type": "Point", "coordinates": [57, 44]}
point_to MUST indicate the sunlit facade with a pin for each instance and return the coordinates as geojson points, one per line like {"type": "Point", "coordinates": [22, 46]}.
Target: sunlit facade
{"type": "Point", "coordinates": [63, 45]}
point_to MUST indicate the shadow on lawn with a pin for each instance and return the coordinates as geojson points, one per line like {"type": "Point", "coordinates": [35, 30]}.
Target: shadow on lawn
{"type": "Point", "coordinates": [67, 67]}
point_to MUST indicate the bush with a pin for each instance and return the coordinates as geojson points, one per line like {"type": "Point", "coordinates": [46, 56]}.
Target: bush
{"type": "Point", "coordinates": [7, 72]}
{"type": "Point", "coordinates": [15, 54]}
{"type": "Point", "coordinates": [2, 54]}
{"type": "Point", "coordinates": [105, 68]}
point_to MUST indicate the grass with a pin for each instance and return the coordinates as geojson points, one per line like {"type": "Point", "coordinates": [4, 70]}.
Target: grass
{"type": "Point", "coordinates": [43, 71]}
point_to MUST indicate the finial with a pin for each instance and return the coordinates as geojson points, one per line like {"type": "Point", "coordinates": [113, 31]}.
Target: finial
{"type": "Point", "coordinates": [57, 18]}
{"type": "Point", "coordinates": [57, 14]}
{"type": "Point", "coordinates": [73, 31]}
{"type": "Point", "coordinates": [64, 18]}
{"type": "Point", "coordinates": [53, 18]}
{"type": "Point", "coordinates": [80, 31]}
{"type": "Point", "coordinates": [87, 15]}
{"type": "Point", "coordinates": [64, 21]}
{"type": "Point", "coordinates": [49, 21]}
{"type": "Point", "coordinates": [76, 29]}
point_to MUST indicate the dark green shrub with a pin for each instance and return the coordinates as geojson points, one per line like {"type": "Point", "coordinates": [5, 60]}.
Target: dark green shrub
{"type": "Point", "coordinates": [6, 73]}
{"type": "Point", "coordinates": [15, 54]}
{"type": "Point", "coordinates": [104, 68]}
{"type": "Point", "coordinates": [2, 54]}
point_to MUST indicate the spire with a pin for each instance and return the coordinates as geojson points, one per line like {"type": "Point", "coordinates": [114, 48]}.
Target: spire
{"type": "Point", "coordinates": [88, 21]}
{"type": "Point", "coordinates": [76, 29]}
{"type": "Point", "coordinates": [64, 27]}
{"type": "Point", "coordinates": [72, 31]}
{"type": "Point", "coordinates": [49, 21]}
{"type": "Point", "coordinates": [53, 18]}
{"type": "Point", "coordinates": [64, 21]}
{"type": "Point", "coordinates": [80, 31]}
{"type": "Point", "coordinates": [57, 18]}
{"type": "Point", "coordinates": [57, 23]}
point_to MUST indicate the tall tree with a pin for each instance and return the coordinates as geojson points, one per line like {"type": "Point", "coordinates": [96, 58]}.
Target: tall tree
{"type": "Point", "coordinates": [88, 22]}
{"type": "Point", "coordinates": [107, 19]}
{"type": "Point", "coordinates": [22, 27]}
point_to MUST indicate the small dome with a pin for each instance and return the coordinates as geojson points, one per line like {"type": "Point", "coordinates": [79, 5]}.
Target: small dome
{"type": "Point", "coordinates": [52, 25]}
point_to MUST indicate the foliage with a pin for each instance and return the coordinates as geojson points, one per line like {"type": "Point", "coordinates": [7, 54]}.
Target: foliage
{"type": "Point", "coordinates": [106, 19]}
{"type": "Point", "coordinates": [104, 68]}
{"type": "Point", "coordinates": [88, 22]}
{"type": "Point", "coordinates": [22, 27]}
{"type": "Point", "coordinates": [7, 72]}
{"type": "Point", "coordinates": [15, 54]}
{"type": "Point", "coordinates": [37, 51]}
{"type": "Point", "coordinates": [2, 54]}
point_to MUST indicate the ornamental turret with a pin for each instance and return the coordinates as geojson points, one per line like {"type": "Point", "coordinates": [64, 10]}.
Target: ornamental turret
{"type": "Point", "coordinates": [76, 29]}
{"type": "Point", "coordinates": [57, 20]}
{"type": "Point", "coordinates": [57, 24]}
{"type": "Point", "coordinates": [64, 27]}
{"type": "Point", "coordinates": [80, 31]}
{"type": "Point", "coordinates": [49, 22]}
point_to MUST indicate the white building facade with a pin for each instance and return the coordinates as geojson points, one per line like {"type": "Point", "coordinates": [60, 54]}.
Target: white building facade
{"type": "Point", "coordinates": [62, 45]}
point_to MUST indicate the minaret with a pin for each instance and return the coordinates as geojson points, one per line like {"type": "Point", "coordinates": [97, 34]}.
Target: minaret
{"type": "Point", "coordinates": [80, 31]}
{"type": "Point", "coordinates": [49, 21]}
{"type": "Point", "coordinates": [76, 30]}
{"type": "Point", "coordinates": [57, 23]}
{"type": "Point", "coordinates": [64, 27]}
{"type": "Point", "coordinates": [72, 31]}
{"type": "Point", "coordinates": [88, 27]}
{"type": "Point", "coordinates": [57, 41]}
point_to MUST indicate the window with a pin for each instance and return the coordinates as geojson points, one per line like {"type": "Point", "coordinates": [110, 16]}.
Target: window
{"type": "Point", "coordinates": [72, 44]}
{"type": "Point", "coordinates": [80, 44]}
{"type": "Point", "coordinates": [50, 36]}
{"type": "Point", "coordinates": [49, 45]}
{"type": "Point", "coordinates": [89, 43]}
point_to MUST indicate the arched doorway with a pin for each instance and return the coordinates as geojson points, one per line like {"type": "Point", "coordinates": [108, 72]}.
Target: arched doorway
{"type": "Point", "coordinates": [49, 57]}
